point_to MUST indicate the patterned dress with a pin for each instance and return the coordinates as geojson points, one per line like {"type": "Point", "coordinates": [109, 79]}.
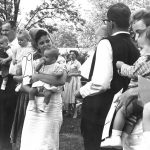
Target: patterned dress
{"type": "Point", "coordinates": [72, 84]}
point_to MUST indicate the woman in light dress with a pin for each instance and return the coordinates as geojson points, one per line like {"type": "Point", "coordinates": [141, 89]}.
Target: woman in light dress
{"type": "Point", "coordinates": [73, 83]}
{"type": "Point", "coordinates": [41, 129]}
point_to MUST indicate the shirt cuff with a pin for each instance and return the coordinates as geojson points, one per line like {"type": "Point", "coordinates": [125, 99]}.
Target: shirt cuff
{"type": "Point", "coordinates": [90, 89]}
{"type": "Point", "coordinates": [124, 69]}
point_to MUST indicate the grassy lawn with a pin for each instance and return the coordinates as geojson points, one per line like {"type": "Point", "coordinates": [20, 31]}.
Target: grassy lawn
{"type": "Point", "coordinates": [70, 137]}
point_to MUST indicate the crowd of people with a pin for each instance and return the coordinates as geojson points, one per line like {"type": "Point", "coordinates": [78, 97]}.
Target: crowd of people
{"type": "Point", "coordinates": [38, 85]}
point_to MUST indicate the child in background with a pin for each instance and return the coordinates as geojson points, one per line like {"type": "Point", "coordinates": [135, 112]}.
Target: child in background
{"type": "Point", "coordinates": [140, 67]}
{"type": "Point", "coordinates": [47, 65]}
{"type": "Point", "coordinates": [5, 59]}
{"type": "Point", "coordinates": [22, 50]}
{"type": "Point", "coordinates": [24, 47]}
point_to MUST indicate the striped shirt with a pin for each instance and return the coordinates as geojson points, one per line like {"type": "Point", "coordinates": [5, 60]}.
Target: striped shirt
{"type": "Point", "coordinates": [140, 67]}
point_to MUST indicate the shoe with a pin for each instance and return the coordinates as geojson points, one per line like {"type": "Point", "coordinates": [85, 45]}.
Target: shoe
{"type": "Point", "coordinates": [112, 142]}
{"type": "Point", "coordinates": [17, 89]}
{"type": "Point", "coordinates": [3, 86]}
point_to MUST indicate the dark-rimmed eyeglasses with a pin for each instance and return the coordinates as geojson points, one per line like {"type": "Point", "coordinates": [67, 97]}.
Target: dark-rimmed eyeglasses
{"type": "Point", "coordinates": [105, 21]}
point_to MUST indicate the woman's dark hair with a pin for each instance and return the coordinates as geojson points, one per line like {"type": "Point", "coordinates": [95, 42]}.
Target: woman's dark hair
{"type": "Point", "coordinates": [39, 34]}
{"type": "Point", "coordinates": [120, 14]}
{"type": "Point", "coordinates": [138, 15]}
{"type": "Point", "coordinates": [146, 18]}
{"type": "Point", "coordinates": [75, 52]}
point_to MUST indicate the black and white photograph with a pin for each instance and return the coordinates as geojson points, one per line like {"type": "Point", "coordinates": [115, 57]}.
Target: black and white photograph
{"type": "Point", "coordinates": [74, 74]}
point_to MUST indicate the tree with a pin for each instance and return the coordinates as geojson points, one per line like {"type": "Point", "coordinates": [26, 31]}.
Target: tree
{"type": "Point", "coordinates": [62, 10]}
{"type": "Point", "coordinates": [9, 10]}
{"type": "Point", "coordinates": [66, 37]}
{"type": "Point", "coordinates": [86, 36]}
{"type": "Point", "coordinates": [50, 9]}
{"type": "Point", "coordinates": [98, 13]}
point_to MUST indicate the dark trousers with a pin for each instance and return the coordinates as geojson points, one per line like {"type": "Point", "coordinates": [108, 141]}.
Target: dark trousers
{"type": "Point", "coordinates": [91, 133]}
{"type": "Point", "coordinates": [8, 100]}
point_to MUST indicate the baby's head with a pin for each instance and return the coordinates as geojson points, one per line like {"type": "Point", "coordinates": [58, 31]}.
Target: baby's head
{"type": "Point", "coordinates": [51, 55]}
{"type": "Point", "coordinates": [23, 38]}
{"type": "Point", "coordinates": [3, 42]}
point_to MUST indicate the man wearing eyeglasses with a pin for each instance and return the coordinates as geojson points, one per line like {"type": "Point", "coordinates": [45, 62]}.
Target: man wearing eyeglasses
{"type": "Point", "coordinates": [104, 80]}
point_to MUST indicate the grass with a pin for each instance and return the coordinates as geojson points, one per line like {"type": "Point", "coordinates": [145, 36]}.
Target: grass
{"type": "Point", "coordinates": [70, 137]}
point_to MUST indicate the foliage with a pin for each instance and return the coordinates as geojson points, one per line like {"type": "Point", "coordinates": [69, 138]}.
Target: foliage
{"type": "Point", "coordinates": [65, 37]}
{"type": "Point", "coordinates": [50, 12]}
{"type": "Point", "coordinates": [86, 36]}
{"type": "Point", "coordinates": [101, 7]}
{"type": "Point", "coordinates": [63, 10]}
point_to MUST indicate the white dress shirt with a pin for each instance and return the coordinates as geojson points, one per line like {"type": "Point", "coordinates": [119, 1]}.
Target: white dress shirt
{"type": "Point", "coordinates": [103, 69]}
{"type": "Point", "coordinates": [12, 45]}
{"type": "Point", "coordinates": [85, 68]}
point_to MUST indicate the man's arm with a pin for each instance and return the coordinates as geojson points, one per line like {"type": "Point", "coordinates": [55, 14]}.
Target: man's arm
{"type": "Point", "coordinates": [5, 60]}
{"type": "Point", "coordinates": [103, 71]}
{"type": "Point", "coordinates": [50, 79]}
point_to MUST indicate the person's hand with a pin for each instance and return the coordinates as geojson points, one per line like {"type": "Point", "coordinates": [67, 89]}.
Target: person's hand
{"type": "Point", "coordinates": [14, 61]}
{"type": "Point", "coordinates": [119, 64]}
{"type": "Point", "coordinates": [34, 78]}
{"type": "Point", "coordinates": [69, 74]}
{"type": "Point", "coordinates": [125, 98]}
{"type": "Point", "coordinates": [77, 95]}
{"type": "Point", "coordinates": [3, 61]}
{"type": "Point", "coordinates": [43, 60]}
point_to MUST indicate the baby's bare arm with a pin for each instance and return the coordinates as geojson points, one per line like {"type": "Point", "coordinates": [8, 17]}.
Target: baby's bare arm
{"type": "Point", "coordinates": [58, 74]}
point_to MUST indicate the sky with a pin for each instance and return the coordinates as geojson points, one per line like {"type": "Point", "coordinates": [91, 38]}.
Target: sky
{"type": "Point", "coordinates": [27, 5]}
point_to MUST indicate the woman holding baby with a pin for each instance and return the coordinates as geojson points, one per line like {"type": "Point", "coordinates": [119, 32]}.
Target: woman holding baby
{"type": "Point", "coordinates": [41, 129]}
